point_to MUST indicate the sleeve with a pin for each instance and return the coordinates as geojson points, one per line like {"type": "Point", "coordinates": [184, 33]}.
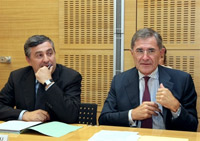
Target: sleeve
{"type": "Point", "coordinates": [187, 120]}
{"type": "Point", "coordinates": [110, 114]}
{"type": "Point", "coordinates": [63, 98]}
{"type": "Point", "coordinates": [131, 122]}
{"type": "Point", "coordinates": [7, 101]}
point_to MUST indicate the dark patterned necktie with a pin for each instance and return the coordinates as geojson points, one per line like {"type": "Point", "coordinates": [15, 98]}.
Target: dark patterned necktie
{"type": "Point", "coordinates": [40, 98]}
{"type": "Point", "coordinates": [146, 123]}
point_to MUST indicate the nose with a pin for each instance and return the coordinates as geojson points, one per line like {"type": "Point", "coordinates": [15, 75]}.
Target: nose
{"type": "Point", "coordinates": [46, 58]}
{"type": "Point", "coordinates": [145, 55]}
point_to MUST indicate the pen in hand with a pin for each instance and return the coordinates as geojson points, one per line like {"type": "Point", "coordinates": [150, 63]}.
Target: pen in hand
{"type": "Point", "coordinates": [49, 66]}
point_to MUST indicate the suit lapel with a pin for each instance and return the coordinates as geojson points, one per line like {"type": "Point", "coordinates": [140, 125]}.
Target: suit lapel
{"type": "Point", "coordinates": [132, 88]}
{"type": "Point", "coordinates": [164, 78]}
{"type": "Point", "coordinates": [28, 85]}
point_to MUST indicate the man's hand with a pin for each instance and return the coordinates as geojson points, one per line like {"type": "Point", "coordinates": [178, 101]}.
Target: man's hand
{"type": "Point", "coordinates": [37, 115]}
{"type": "Point", "coordinates": [166, 99]}
{"type": "Point", "coordinates": [145, 110]}
{"type": "Point", "coordinates": [44, 74]}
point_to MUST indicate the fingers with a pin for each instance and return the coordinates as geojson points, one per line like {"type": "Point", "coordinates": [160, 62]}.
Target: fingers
{"type": "Point", "coordinates": [161, 85]}
{"type": "Point", "coordinates": [51, 69]}
{"type": "Point", "coordinates": [151, 108]}
{"type": "Point", "coordinates": [145, 110]}
{"type": "Point", "coordinates": [166, 98]}
{"type": "Point", "coordinates": [43, 115]}
{"type": "Point", "coordinates": [44, 74]}
{"type": "Point", "coordinates": [38, 115]}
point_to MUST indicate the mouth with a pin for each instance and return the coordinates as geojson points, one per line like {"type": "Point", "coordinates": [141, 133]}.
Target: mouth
{"type": "Point", "coordinates": [47, 65]}
{"type": "Point", "coordinates": [145, 64]}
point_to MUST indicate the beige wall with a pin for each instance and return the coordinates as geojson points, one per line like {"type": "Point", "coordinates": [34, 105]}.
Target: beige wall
{"type": "Point", "coordinates": [93, 56]}
{"type": "Point", "coordinates": [20, 19]}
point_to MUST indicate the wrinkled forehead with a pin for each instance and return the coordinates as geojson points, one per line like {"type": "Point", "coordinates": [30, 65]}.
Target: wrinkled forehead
{"type": "Point", "coordinates": [146, 43]}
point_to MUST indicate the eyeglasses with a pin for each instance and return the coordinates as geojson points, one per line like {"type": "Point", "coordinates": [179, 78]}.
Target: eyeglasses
{"type": "Point", "coordinates": [140, 52]}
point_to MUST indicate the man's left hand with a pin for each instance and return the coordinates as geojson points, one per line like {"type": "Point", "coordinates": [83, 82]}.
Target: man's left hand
{"type": "Point", "coordinates": [166, 99]}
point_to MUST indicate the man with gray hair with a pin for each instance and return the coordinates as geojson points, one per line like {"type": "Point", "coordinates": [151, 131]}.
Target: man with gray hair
{"type": "Point", "coordinates": [42, 91]}
{"type": "Point", "coordinates": [150, 95]}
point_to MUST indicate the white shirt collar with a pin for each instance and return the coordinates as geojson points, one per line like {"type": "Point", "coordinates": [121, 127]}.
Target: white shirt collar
{"type": "Point", "coordinates": [154, 74]}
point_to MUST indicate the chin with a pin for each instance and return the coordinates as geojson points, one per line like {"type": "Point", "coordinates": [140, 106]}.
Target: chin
{"type": "Point", "coordinates": [146, 71]}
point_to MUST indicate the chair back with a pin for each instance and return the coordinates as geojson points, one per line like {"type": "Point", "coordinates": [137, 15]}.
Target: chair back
{"type": "Point", "coordinates": [87, 113]}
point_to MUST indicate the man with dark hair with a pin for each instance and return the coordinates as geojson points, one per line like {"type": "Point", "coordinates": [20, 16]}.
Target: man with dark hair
{"type": "Point", "coordinates": [150, 95]}
{"type": "Point", "coordinates": [42, 91]}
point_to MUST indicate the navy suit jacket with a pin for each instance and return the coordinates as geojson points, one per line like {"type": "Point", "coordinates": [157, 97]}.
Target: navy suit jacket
{"type": "Point", "coordinates": [124, 95]}
{"type": "Point", "coordinates": [62, 98]}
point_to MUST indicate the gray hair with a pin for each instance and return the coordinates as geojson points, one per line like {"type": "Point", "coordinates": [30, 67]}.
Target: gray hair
{"type": "Point", "coordinates": [35, 40]}
{"type": "Point", "coordinates": [144, 34]}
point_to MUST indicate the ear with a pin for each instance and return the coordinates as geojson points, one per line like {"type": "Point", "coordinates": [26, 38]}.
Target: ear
{"type": "Point", "coordinates": [28, 60]}
{"type": "Point", "coordinates": [162, 52]}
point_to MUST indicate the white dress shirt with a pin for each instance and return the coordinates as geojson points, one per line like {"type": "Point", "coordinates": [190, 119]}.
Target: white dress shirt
{"type": "Point", "coordinates": [153, 85]}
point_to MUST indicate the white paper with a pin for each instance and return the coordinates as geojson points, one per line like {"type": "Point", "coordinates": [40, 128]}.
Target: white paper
{"type": "Point", "coordinates": [108, 135]}
{"type": "Point", "coordinates": [16, 125]}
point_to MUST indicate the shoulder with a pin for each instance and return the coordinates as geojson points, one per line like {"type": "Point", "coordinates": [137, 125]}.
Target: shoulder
{"type": "Point", "coordinates": [173, 72]}
{"type": "Point", "coordinates": [22, 71]}
{"type": "Point", "coordinates": [127, 74]}
{"type": "Point", "coordinates": [65, 71]}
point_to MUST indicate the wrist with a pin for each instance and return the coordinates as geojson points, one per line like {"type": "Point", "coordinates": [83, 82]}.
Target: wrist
{"type": "Point", "coordinates": [176, 107]}
{"type": "Point", "coordinates": [47, 82]}
{"type": "Point", "coordinates": [48, 86]}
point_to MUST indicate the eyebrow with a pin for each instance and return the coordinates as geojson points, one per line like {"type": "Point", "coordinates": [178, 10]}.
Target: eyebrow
{"type": "Point", "coordinates": [147, 49]}
{"type": "Point", "coordinates": [49, 50]}
{"type": "Point", "coordinates": [45, 51]}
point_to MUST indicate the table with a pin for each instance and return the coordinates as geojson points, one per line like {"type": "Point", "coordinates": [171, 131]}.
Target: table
{"type": "Point", "coordinates": [86, 132]}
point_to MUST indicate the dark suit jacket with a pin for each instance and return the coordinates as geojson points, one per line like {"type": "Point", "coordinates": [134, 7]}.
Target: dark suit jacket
{"type": "Point", "coordinates": [62, 98]}
{"type": "Point", "coordinates": [124, 95]}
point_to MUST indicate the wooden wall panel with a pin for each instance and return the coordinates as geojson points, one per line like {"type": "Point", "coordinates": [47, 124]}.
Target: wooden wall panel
{"type": "Point", "coordinates": [129, 22]}
{"type": "Point", "coordinates": [20, 19]}
{"type": "Point", "coordinates": [86, 24]}
{"type": "Point", "coordinates": [176, 20]}
{"type": "Point", "coordinates": [96, 68]}
{"type": "Point", "coordinates": [86, 44]}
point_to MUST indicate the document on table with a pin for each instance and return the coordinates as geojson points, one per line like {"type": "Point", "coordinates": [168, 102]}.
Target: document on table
{"type": "Point", "coordinates": [53, 128]}
{"type": "Point", "coordinates": [108, 135]}
{"type": "Point", "coordinates": [16, 126]}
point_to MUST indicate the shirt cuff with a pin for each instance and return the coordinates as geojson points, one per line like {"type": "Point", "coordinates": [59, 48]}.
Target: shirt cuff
{"type": "Point", "coordinates": [177, 113]}
{"type": "Point", "coordinates": [132, 123]}
{"type": "Point", "coordinates": [21, 114]}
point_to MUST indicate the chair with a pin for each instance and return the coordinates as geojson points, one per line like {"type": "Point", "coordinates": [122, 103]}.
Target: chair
{"type": "Point", "coordinates": [87, 114]}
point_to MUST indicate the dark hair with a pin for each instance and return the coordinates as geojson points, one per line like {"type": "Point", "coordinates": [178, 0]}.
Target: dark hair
{"type": "Point", "coordinates": [144, 34]}
{"type": "Point", "coordinates": [35, 40]}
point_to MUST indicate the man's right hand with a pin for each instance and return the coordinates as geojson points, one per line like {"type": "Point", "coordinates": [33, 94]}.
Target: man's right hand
{"type": "Point", "coordinates": [37, 115]}
{"type": "Point", "coordinates": [145, 110]}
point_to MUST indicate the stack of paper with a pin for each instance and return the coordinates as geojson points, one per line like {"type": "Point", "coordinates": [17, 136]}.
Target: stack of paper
{"type": "Point", "coordinates": [54, 128]}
